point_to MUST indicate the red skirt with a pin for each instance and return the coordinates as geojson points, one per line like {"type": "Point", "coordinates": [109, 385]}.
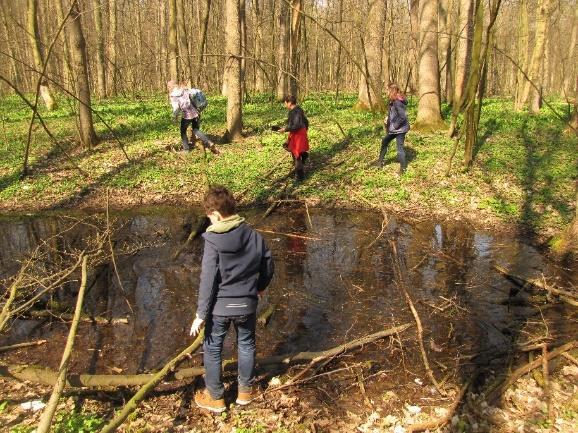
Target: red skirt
{"type": "Point", "coordinates": [298, 142]}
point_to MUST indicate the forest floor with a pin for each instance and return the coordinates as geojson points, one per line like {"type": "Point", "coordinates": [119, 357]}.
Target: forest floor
{"type": "Point", "coordinates": [523, 174]}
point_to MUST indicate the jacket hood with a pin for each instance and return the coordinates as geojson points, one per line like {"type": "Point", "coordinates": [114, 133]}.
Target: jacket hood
{"type": "Point", "coordinates": [177, 92]}
{"type": "Point", "coordinates": [230, 241]}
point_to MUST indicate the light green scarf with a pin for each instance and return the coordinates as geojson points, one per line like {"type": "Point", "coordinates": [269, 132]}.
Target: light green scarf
{"type": "Point", "coordinates": [226, 224]}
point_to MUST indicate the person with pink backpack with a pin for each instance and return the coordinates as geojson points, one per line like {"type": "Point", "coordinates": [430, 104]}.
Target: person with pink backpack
{"type": "Point", "coordinates": [181, 103]}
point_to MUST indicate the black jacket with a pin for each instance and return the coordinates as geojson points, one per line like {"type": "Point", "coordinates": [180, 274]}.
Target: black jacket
{"type": "Point", "coordinates": [296, 119]}
{"type": "Point", "coordinates": [236, 266]}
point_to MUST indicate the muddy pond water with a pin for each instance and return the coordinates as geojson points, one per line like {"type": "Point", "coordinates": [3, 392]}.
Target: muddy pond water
{"type": "Point", "coordinates": [334, 282]}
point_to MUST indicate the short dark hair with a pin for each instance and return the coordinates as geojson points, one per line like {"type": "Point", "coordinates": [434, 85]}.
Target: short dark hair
{"type": "Point", "coordinates": [219, 199]}
{"type": "Point", "coordinates": [291, 99]}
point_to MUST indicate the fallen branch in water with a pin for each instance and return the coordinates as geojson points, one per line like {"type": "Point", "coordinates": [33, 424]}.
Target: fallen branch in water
{"type": "Point", "coordinates": [494, 394]}
{"type": "Point", "coordinates": [402, 286]}
{"type": "Point", "coordinates": [67, 317]}
{"type": "Point", "coordinates": [524, 282]}
{"type": "Point", "coordinates": [21, 345]}
{"type": "Point", "coordinates": [289, 235]}
{"type": "Point", "coordinates": [47, 376]}
{"type": "Point", "coordinates": [201, 228]}
{"type": "Point", "coordinates": [437, 423]}
{"type": "Point", "coordinates": [48, 413]}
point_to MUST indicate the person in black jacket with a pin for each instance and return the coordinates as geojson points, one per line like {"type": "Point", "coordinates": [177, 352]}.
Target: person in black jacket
{"type": "Point", "coordinates": [298, 141]}
{"type": "Point", "coordinates": [237, 266]}
{"type": "Point", "coordinates": [396, 126]}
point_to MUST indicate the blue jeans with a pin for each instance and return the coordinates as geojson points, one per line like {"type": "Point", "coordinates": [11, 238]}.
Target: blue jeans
{"type": "Point", "coordinates": [215, 331]}
{"type": "Point", "coordinates": [399, 139]}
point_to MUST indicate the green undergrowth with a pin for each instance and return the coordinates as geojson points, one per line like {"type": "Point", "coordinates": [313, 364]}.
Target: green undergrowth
{"type": "Point", "coordinates": [523, 171]}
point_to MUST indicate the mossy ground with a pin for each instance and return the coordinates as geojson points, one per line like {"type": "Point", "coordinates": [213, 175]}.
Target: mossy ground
{"type": "Point", "coordinates": [523, 173]}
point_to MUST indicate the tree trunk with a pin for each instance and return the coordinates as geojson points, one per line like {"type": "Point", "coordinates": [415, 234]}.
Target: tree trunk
{"type": "Point", "coordinates": [80, 67]}
{"type": "Point", "coordinates": [112, 41]}
{"type": "Point", "coordinates": [570, 64]}
{"type": "Point", "coordinates": [444, 23]}
{"type": "Point", "coordinates": [370, 83]}
{"type": "Point", "coordinates": [282, 51]}
{"type": "Point", "coordinates": [100, 74]}
{"type": "Point", "coordinates": [203, 43]}
{"type": "Point", "coordinates": [172, 48]}
{"type": "Point", "coordinates": [243, 48]}
{"type": "Point", "coordinates": [185, 58]}
{"type": "Point", "coordinates": [258, 22]}
{"type": "Point", "coordinates": [471, 118]}
{"type": "Point", "coordinates": [414, 44]}
{"type": "Point", "coordinates": [463, 48]}
{"type": "Point", "coordinates": [523, 46]}
{"type": "Point", "coordinates": [35, 45]}
{"type": "Point", "coordinates": [233, 71]}
{"type": "Point", "coordinates": [294, 44]}
{"type": "Point", "coordinates": [428, 110]}
{"type": "Point", "coordinates": [535, 66]}
{"type": "Point", "coordinates": [16, 79]}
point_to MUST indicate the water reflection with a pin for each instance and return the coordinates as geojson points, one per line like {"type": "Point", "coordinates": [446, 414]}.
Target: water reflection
{"type": "Point", "coordinates": [334, 282]}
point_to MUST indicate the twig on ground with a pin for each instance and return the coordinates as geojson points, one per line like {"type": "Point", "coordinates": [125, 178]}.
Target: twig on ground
{"type": "Point", "coordinates": [437, 423]}
{"type": "Point", "coordinates": [524, 282]}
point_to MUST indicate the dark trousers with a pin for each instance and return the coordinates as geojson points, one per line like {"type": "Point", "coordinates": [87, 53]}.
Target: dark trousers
{"type": "Point", "coordinates": [215, 331]}
{"type": "Point", "coordinates": [399, 139]}
{"type": "Point", "coordinates": [184, 126]}
{"type": "Point", "coordinates": [299, 167]}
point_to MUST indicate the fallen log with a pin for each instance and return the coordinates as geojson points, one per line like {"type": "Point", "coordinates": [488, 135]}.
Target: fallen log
{"type": "Point", "coordinates": [47, 376]}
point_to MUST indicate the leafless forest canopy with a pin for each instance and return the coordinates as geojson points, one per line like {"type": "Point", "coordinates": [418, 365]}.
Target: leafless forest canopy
{"type": "Point", "coordinates": [131, 44]}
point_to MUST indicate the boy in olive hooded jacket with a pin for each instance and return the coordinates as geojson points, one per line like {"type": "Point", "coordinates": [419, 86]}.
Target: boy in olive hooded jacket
{"type": "Point", "coordinates": [237, 266]}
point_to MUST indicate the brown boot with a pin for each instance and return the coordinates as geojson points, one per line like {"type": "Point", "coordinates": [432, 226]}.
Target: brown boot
{"type": "Point", "coordinates": [204, 400]}
{"type": "Point", "coordinates": [246, 396]}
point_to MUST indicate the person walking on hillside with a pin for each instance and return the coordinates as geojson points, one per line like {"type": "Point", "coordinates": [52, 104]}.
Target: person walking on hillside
{"type": "Point", "coordinates": [237, 267]}
{"type": "Point", "coordinates": [396, 125]}
{"type": "Point", "coordinates": [297, 142]}
{"type": "Point", "coordinates": [181, 103]}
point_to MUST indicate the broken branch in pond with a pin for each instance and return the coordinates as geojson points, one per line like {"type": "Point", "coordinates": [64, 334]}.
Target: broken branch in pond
{"type": "Point", "coordinates": [439, 422]}
{"type": "Point", "coordinates": [535, 282]}
{"type": "Point", "coordinates": [67, 317]}
{"type": "Point", "coordinates": [47, 376]}
{"type": "Point", "coordinates": [402, 286]}
{"type": "Point", "coordinates": [21, 345]}
{"type": "Point", "coordinates": [289, 235]}
{"type": "Point", "coordinates": [201, 228]}
{"type": "Point", "coordinates": [48, 413]}
{"type": "Point", "coordinates": [495, 393]}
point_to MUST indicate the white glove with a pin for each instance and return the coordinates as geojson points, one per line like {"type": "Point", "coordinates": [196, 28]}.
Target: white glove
{"type": "Point", "coordinates": [196, 326]}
